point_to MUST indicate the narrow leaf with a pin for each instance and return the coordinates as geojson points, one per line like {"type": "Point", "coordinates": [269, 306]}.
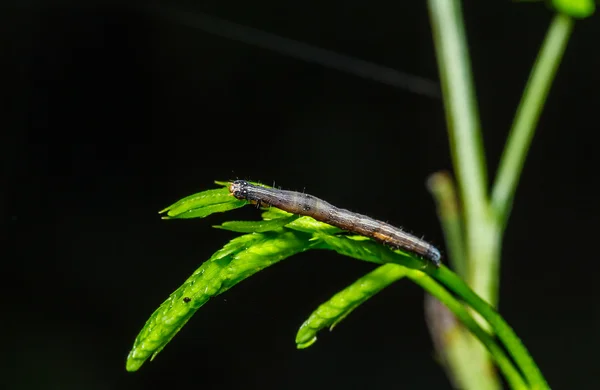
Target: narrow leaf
{"type": "Point", "coordinates": [203, 204]}
{"type": "Point", "coordinates": [303, 224]}
{"type": "Point", "coordinates": [212, 278]}
{"type": "Point", "coordinates": [256, 226]}
{"type": "Point", "coordinates": [205, 211]}
{"type": "Point", "coordinates": [344, 302]}
{"type": "Point", "coordinates": [238, 244]}
{"type": "Point", "coordinates": [363, 248]}
{"type": "Point", "coordinates": [575, 8]}
{"type": "Point", "coordinates": [200, 199]}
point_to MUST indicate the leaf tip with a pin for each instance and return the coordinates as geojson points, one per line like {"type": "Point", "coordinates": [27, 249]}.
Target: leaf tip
{"type": "Point", "coordinates": [133, 364]}
{"type": "Point", "coordinates": [306, 344]}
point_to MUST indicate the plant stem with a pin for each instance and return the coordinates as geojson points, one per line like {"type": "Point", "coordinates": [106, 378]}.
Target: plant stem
{"type": "Point", "coordinates": [442, 189]}
{"type": "Point", "coordinates": [461, 108]}
{"type": "Point", "coordinates": [465, 143]}
{"type": "Point", "coordinates": [511, 342]}
{"type": "Point", "coordinates": [527, 116]}
{"type": "Point", "coordinates": [511, 374]}
{"type": "Point", "coordinates": [469, 164]}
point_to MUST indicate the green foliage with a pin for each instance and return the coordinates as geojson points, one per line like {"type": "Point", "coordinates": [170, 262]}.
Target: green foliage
{"type": "Point", "coordinates": [202, 204]}
{"type": "Point", "coordinates": [257, 226]}
{"type": "Point", "coordinates": [280, 235]}
{"type": "Point", "coordinates": [330, 313]}
{"type": "Point", "coordinates": [241, 258]}
{"type": "Point", "coordinates": [575, 8]}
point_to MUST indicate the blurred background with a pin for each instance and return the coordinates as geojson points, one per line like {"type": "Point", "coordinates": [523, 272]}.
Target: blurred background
{"type": "Point", "coordinates": [115, 110]}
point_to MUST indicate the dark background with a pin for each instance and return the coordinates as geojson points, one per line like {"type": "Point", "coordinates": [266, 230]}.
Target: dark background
{"type": "Point", "coordinates": [115, 111]}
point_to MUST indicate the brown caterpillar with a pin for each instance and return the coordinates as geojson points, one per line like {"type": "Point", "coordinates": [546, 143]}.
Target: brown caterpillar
{"type": "Point", "coordinates": [305, 204]}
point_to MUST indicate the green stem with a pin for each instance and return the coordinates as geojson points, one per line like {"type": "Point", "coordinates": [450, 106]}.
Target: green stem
{"type": "Point", "coordinates": [527, 116]}
{"type": "Point", "coordinates": [465, 144]}
{"type": "Point", "coordinates": [462, 349]}
{"type": "Point", "coordinates": [511, 374]}
{"type": "Point", "coordinates": [469, 163]}
{"type": "Point", "coordinates": [461, 107]}
{"type": "Point", "coordinates": [504, 332]}
{"type": "Point", "coordinates": [441, 187]}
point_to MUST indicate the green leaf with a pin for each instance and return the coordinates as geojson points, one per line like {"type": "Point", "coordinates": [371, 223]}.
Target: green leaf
{"type": "Point", "coordinates": [344, 302]}
{"type": "Point", "coordinates": [199, 199]}
{"type": "Point", "coordinates": [366, 249]}
{"type": "Point", "coordinates": [205, 211]}
{"type": "Point", "coordinates": [202, 204]}
{"type": "Point", "coordinates": [302, 224]}
{"type": "Point", "coordinates": [170, 317]}
{"type": "Point", "coordinates": [310, 225]}
{"type": "Point", "coordinates": [425, 277]}
{"type": "Point", "coordinates": [256, 226]}
{"type": "Point", "coordinates": [212, 278]}
{"type": "Point", "coordinates": [238, 244]}
{"type": "Point", "coordinates": [274, 213]}
{"type": "Point", "coordinates": [575, 8]}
